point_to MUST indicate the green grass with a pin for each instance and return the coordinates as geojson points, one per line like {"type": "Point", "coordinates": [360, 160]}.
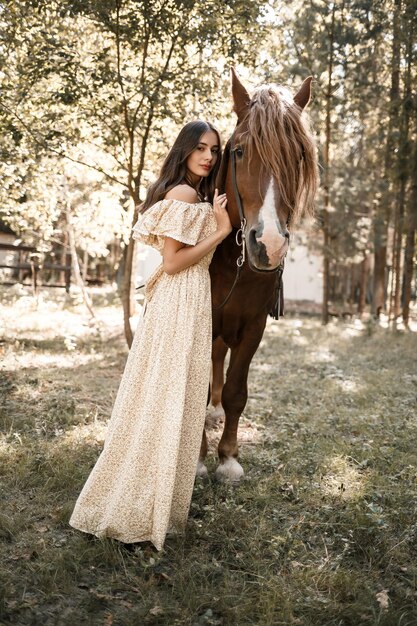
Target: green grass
{"type": "Point", "coordinates": [321, 532]}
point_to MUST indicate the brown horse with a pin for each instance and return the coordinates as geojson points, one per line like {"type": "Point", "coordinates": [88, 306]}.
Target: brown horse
{"type": "Point", "coordinates": [269, 168]}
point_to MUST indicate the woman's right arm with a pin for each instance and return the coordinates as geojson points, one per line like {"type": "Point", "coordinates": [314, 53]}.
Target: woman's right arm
{"type": "Point", "coordinates": [177, 257]}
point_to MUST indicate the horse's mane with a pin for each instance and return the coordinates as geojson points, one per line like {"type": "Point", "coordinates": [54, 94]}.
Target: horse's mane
{"type": "Point", "coordinates": [280, 134]}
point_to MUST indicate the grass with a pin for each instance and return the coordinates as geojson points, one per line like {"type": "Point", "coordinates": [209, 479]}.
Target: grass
{"type": "Point", "coordinates": [322, 531]}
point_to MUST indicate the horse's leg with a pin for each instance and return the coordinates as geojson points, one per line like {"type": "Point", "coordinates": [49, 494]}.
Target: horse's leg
{"type": "Point", "coordinates": [201, 468]}
{"type": "Point", "coordinates": [235, 394]}
{"type": "Point", "coordinates": [219, 352]}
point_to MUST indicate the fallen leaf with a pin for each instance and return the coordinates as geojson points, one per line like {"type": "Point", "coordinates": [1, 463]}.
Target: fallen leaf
{"type": "Point", "coordinates": [382, 599]}
{"type": "Point", "coordinates": [12, 604]}
{"type": "Point", "coordinates": [156, 610]}
{"type": "Point", "coordinates": [125, 603]}
{"type": "Point", "coordinates": [101, 596]}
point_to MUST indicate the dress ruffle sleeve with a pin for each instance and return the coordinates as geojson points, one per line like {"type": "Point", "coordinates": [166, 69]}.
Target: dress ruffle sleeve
{"type": "Point", "coordinates": [182, 221]}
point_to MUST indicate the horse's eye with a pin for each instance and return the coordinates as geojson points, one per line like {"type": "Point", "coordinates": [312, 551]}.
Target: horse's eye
{"type": "Point", "coordinates": [239, 152]}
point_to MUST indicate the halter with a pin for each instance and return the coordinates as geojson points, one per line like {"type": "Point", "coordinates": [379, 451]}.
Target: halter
{"type": "Point", "coordinates": [278, 308]}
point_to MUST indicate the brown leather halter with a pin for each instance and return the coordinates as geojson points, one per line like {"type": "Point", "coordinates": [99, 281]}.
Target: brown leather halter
{"type": "Point", "coordinates": [278, 307]}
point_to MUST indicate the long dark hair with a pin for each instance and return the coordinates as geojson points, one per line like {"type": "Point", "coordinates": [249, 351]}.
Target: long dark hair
{"type": "Point", "coordinates": [174, 168]}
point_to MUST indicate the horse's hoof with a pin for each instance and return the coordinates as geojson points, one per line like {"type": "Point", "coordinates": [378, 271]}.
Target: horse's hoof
{"type": "Point", "coordinates": [201, 471]}
{"type": "Point", "coordinates": [230, 471]}
{"type": "Point", "coordinates": [217, 412]}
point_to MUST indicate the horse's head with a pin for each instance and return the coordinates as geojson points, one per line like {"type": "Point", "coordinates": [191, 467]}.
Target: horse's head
{"type": "Point", "coordinates": [276, 168]}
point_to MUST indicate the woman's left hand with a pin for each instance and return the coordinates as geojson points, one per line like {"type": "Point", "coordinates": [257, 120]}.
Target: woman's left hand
{"type": "Point", "coordinates": [222, 217]}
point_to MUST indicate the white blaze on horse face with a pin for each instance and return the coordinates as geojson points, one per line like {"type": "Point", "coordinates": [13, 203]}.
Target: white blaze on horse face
{"type": "Point", "coordinates": [272, 235]}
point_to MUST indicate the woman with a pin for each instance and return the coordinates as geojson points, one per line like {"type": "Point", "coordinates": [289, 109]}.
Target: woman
{"type": "Point", "coordinates": [142, 483]}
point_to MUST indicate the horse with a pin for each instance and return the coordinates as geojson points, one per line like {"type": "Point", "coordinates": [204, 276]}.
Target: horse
{"type": "Point", "coordinates": [269, 173]}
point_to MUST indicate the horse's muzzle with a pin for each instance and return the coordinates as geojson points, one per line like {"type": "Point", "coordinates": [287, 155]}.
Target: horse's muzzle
{"type": "Point", "coordinates": [266, 253]}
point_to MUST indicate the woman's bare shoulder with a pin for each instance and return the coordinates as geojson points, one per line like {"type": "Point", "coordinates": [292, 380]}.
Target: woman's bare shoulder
{"type": "Point", "coordinates": [183, 193]}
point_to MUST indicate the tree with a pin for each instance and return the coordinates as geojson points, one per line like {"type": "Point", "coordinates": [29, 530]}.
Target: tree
{"type": "Point", "coordinates": [145, 66]}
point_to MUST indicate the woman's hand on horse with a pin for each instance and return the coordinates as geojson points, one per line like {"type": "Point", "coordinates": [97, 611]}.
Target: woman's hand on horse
{"type": "Point", "coordinates": [222, 217]}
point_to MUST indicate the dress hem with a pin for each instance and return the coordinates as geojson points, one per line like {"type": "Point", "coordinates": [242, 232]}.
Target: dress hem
{"type": "Point", "coordinates": [156, 544]}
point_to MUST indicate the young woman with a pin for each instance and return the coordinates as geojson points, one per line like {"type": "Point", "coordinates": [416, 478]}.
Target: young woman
{"type": "Point", "coordinates": [142, 483]}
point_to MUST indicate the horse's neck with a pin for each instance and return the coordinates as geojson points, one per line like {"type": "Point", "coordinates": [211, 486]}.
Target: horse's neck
{"type": "Point", "coordinates": [227, 252]}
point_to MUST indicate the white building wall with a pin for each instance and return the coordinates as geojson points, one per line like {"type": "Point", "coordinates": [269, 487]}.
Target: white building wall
{"type": "Point", "coordinates": [146, 260]}
{"type": "Point", "coordinates": [303, 277]}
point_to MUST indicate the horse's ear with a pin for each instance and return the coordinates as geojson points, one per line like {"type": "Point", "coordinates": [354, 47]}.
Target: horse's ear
{"type": "Point", "coordinates": [241, 97]}
{"type": "Point", "coordinates": [303, 95]}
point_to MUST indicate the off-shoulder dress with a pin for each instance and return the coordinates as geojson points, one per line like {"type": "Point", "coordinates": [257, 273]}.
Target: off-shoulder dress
{"type": "Point", "coordinates": [141, 485]}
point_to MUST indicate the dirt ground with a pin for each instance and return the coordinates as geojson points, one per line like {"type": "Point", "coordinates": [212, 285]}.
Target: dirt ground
{"type": "Point", "coordinates": [322, 531]}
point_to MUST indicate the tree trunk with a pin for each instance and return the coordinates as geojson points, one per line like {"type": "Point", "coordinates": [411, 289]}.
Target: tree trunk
{"type": "Point", "coordinates": [364, 273]}
{"type": "Point", "coordinates": [410, 242]}
{"type": "Point", "coordinates": [382, 217]}
{"type": "Point", "coordinates": [76, 265]}
{"type": "Point", "coordinates": [403, 165]}
{"type": "Point", "coordinates": [408, 269]}
{"type": "Point", "coordinates": [326, 176]}
{"type": "Point", "coordinates": [380, 263]}
{"type": "Point", "coordinates": [395, 308]}
{"type": "Point", "coordinates": [393, 273]}
{"type": "Point", "coordinates": [85, 265]}
{"type": "Point", "coordinates": [126, 290]}
{"type": "Point", "coordinates": [61, 278]}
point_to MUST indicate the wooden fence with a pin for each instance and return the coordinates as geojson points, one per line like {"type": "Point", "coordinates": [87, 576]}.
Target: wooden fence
{"type": "Point", "coordinates": [33, 267]}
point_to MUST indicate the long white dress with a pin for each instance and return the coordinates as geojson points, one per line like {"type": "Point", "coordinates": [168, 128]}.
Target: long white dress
{"type": "Point", "coordinates": [141, 485]}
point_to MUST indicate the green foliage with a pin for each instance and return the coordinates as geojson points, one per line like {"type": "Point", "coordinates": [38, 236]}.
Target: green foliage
{"type": "Point", "coordinates": [139, 69]}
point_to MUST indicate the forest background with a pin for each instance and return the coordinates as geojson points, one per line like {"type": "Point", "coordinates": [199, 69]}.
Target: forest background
{"type": "Point", "coordinates": [93, 93]}
{"type": "Point", "coordinates": [323, 530]}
